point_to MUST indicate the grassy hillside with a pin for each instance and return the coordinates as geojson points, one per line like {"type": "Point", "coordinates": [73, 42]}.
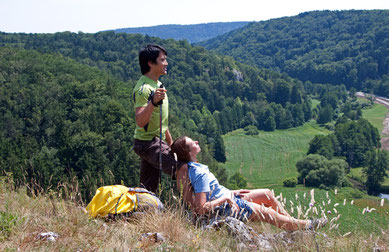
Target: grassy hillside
{"type": "Point", "coordinates": [269, 157]}
{"type": "Point", "coordinates": [22, 222]}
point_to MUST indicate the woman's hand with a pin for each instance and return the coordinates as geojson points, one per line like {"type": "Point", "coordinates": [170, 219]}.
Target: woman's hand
{"type": "Point", "coordinates": [233, 205]}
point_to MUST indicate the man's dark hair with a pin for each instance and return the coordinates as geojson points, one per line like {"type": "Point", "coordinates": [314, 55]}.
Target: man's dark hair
{"type": "Point", "coordinates": [149, 53]}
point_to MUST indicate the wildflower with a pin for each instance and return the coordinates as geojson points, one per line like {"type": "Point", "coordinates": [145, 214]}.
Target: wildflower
{"type": "Point", "coordinates": [336, 204]}
{"type": "Point", "coordinates": [329, 201]}
{"type": "Point", "coordinates": [311, 204]}
{"type": "Point", "coordinates": [382, 202]}
{"type": "Point", "coordinates": [344, 202]}
{"type": "Point", "coordinates": [297, 197]}
{"type": "Point", "coordinates": [352, 202]}
{"type": "Point", "coordinates": [306, 213]}
{"type": "Point", "coordinates": [346, 234]}
{"type": "Point", "coordinates": [329, 212]}
{"type": "Point", "coordinates": [336, 191]}
{"type": "Point", "coordinates": [291, 202]}
{"type": "Point", "coordinates": [305, 195]}
{"type": "Point", "coordinates": [327, 194]}
{"type": "Point", "coordinates": [299, 211]}
{"type": "Point", "coordinates": [364, 210]}
{"type": "Point", "coordinates": [335, 210]}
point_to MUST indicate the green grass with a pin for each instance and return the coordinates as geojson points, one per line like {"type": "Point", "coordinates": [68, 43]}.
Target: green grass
{"type": "Point", "coordinates": [352, 219]}
{"type": "Point", "coordinates": [269, 158]}
{"type": "Point", "coordinates": [376, 115]}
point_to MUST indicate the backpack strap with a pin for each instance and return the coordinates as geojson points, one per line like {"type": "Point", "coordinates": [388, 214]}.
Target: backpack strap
{"type": "Point", "coordinates": [117, 203]}
{"type": "Point", "coordinates": [140, 190]}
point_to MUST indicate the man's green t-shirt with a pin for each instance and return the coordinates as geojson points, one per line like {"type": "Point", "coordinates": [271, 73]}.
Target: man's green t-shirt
{"type": "Point", "coordinates": [141, 93]}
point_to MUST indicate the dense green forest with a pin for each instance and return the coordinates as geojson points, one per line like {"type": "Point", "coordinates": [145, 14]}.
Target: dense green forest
{"type": "Point", "coordinates": [192, 33]}
{"type": "Point", "coordinates": [337, 47]}
{"type": "Point", "coordinates": [66, 104]}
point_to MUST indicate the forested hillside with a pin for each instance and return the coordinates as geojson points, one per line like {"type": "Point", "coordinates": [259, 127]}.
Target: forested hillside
{"type": "Point", "coordinates": [192, 33]}
{"type": "Point", "coordinates": [337, 47]}
{"type": "Point", "coordinates": [66, 104]}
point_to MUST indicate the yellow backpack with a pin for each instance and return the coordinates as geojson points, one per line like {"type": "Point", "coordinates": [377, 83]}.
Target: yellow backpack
{"type": "Point", "coordinates": [118, 199]}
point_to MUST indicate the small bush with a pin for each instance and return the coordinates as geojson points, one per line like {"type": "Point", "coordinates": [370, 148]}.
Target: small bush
{"type": "Point", "coordinates": [290, 182]}
{"type": "Point", "coordinates": [7, 223]}
{"type": "Point", "coordinates": [251, 130]}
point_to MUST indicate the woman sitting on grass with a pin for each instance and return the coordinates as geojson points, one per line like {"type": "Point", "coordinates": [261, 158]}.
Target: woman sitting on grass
{"type": "Point", "coordinates": [253, 205]}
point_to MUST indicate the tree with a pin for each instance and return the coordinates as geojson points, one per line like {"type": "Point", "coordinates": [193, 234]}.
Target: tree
{"type": "Point", "coordinates": [318, 171]}
{"type": "Point", "coordinates": [237, 181]}
{"type": "Point", "coordinates": [375, 171]}
{"type": "Point", "coordinates": [270, 124]}
{"type": "Point", "coordinates": [325, 115]}
{"type": "Point", "coordinates": [321, 145]}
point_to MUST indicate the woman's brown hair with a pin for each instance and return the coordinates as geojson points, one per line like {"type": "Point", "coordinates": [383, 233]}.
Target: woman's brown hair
{"type": "Point", "coordinates": [182, 150]}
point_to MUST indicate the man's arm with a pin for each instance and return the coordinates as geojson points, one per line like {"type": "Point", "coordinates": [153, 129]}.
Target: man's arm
{"type": "Point", "coordinates": [168, 137]}
{"type": "Point", "coordinates": [143, 114]}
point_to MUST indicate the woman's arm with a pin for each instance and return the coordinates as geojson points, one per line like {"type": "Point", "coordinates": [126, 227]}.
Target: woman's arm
{"type": "Point", "coordinates": [240, 192]}
{"type": "Point", "coordinates": [203, 206]}
{"type": "Point", "coordinates": [183, 185]}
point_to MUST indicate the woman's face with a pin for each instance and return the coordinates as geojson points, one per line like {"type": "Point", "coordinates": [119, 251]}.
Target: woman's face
{"type": "Point", "coordinates": [194, 147]}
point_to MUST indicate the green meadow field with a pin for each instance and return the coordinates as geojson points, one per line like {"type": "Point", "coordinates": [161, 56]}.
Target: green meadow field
{"type": "Point", "coordinates": [268, 158]}
{"type": "Point", "coordinates": [376, 116]}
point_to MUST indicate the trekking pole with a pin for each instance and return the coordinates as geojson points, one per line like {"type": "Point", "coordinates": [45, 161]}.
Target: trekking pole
{"type": "Point", "coordinates": [160, 139]}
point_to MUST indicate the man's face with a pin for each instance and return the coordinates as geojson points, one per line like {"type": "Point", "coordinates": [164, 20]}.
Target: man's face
{"type": "Point", "coordinates": [159, 68]}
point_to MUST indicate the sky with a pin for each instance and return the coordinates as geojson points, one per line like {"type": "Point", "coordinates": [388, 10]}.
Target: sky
{"type": "Point", "coordinates": [90, 16]}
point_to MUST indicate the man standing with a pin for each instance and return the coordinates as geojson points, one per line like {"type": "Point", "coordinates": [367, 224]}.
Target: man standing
{"type": "Point", "coordinates": [149, 95]}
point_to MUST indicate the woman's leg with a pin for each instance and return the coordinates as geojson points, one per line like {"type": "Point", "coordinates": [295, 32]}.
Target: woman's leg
{"type": "Point", "coordinates": [265, 197]}
{"type": "Point", "coordinates": [269, 215]}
